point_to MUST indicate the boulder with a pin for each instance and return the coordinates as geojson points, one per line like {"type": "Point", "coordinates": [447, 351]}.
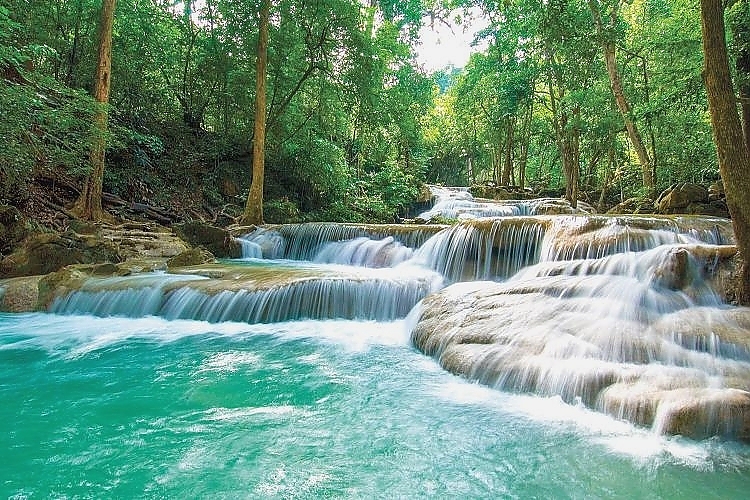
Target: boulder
{"type": "Point", "coordinates": [60, 283]}
{"type": "Point", "coordinates": [43, 253]}
{"type": "Point", "coordinates": [36, 293]}
{"type": "Point", "coordinates": [677, 198]}
{"type": "Point", "coordinates": [560, 206]}
{"type": "Point", "coordinates": [216, 240]}
{"type": "Point", "coordinates": [600, 341]}
{"type": "Point", "coordinates": [19, 295]}
{"type": "Point", "coordinates": [191, 257]}
{"type": "Point", "coordinates": [716, 208]}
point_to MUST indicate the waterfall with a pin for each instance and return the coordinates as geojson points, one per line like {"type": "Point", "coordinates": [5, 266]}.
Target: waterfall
{"type": "Point", "coordinates": [256, 296]}
{"type": "Point", "coordinates": [250, 249]}
{"type": "Point", "coordinates": [616, 313]}
{"type": "Point", "coordinates": [364, 252]}
{"type": "Point", "coordinates": [639, 335]}
{"type": "Point", "coordinates": [305, 241]}
{"type": "Point", "coordinates": [487, 249]}
{"type": "Point", "coordinates": [458, 203]}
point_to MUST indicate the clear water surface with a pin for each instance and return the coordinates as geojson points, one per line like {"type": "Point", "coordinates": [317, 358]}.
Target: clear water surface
{"type": "Point", "coordinates": [151, 408]}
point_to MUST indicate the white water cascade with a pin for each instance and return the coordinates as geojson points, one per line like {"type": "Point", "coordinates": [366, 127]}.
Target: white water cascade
{"type": "Point", "coordinates": [458, 203]}
{"type": "Point", "coordinates": [622, 314]}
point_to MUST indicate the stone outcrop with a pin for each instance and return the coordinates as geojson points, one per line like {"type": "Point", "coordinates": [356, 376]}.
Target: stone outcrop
{"type": "Point", "coordinates": [43, 253]}
{"type": "Point", "coordinates": [216, 240]}
{"type": "Point", "coordinates": [191, 257]}
{"type": "Point", "coordinates": [144, 241]}
{"type": "Point", "coordinates": [19, 294]}
{"type": "Point", "coordinates": [689, 198]}
{"type": "Point", "coordinates": [635, 347]}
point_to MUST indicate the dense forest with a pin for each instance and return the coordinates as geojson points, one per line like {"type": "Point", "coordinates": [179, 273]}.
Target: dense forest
{"type": "Point", "coordinates": [602, 101]}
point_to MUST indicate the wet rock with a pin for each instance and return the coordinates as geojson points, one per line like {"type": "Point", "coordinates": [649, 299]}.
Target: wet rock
{"type": "Point", "coordinates": [705, 413]}
{"type": "Point", "coordinates": [551, 206]}
{"type": "Point", "coordinates": [191, 257]}
{"type": "Point", "coordinates": [216, 240]}
{"type": "Point", "coordinates": [60, 283]}
{"type": "Point", "coordinates": [138, 241]}
{"type": "Point", "coordinates": [44, 253]}
{"type": "Point", "coordinates": [717, 208]}
{"type": "Point", "coordinates": [83, 227]}
{"type": "Point", "coordinates": [19, 294]}
{"type": "Point", "coordinates": [492, 192]}
{"type": "Point", "coordinates": [607, 342]}
{"type": "Point", "coordinates": [673, 272]}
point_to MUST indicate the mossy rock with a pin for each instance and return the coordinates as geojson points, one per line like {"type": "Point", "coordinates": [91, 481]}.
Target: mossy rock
{"type": "Point", "coordinates": [20, 295]}
{"type": "Point", "coordinates": [60, 283]}
{"type": "Point", "coordinates": [216, 240]}
{"type": "Point", "coordinates": [44, 253]}
{"type": "Point", "coordinates": [192, 257]}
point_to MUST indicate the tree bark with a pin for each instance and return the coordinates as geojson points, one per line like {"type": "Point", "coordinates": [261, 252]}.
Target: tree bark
{"type": "Point", "coordinates": [253, 213]}
{"type": "Point", "coordinates": [615, 81]}
{"type": "Point", "coordinates": [733, 155]}
{"type": "Point", "coordinates": [524, 144]}
{"type": "Point", "coordinates": [742, 41]}
{"type": "Point", "coordinates": [566, 138]}
{"type": "Point", "coordinates": [507, 179]}
{"type": "Point", "coordinates": [89, 203]}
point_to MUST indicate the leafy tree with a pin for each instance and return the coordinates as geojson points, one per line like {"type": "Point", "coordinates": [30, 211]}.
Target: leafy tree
{"type": "Point", "coordinates": [608, 44]}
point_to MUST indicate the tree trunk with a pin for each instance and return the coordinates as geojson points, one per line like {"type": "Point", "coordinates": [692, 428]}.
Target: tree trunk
{"type": "Point", "coordinates": [745, 105]}
{"type": "Point", "coordinates": [615, 82]}
{"type": "Point", "coordinates": [741, 34]}
{"type": "Point", "coordinates": [611, 166]}
{"type": "Point", "coordinates": [253, 213]}
{"type": "Point", "coordinates": [523, 155]}
{"type": "Point", "coordinates": [567, 144]}
{"type": "Point", "coordinates": [89, 203]}
{"type": "Point", "coordinates": [733, 155]}
{"type": "Point", "coordinates": [507, 179]}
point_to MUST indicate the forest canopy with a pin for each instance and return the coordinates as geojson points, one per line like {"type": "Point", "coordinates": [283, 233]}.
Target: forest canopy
{"type": "Point", "coordinates": [600, 100]}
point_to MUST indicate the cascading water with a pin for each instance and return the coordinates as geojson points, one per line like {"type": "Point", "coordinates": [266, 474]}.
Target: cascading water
{"type": "Point", "coordinates": [291, 372]}
{"type": "Point", "coordinates": [458, 203]}
{"type": "Point", "coordinates": [257, 293]}
{"type": "Point", "coordinates": [598, 321]}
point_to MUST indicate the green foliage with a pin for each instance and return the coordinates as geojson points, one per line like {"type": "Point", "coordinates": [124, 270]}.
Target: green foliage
{"type": "Point", "coordinates": [353, 128]}
{"type": "Point", "coordinates": [43, 129]}
{"type": "Point", "coordinates": [281, 211]}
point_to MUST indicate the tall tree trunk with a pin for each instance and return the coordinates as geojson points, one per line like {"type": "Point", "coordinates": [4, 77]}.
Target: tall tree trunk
{"type": "Point", "coordinates": [89, 203]}
{"type": "Point", "coordinates": [615, 81]}
{"type": "Point", "coordinates": [745, 105]}
{"type": "Point", "coordinates": [734, 157]}
{"type": "Point", "coordinates": [507, 179]}
{"type": "Point", "coordinates": [741, 36]}
{"type": "Point", "coordinates": [73, 55]}
{"type": "Point", "coordinates": [253, 213]}
{"type": "Point", "coordinates": [523, 154]}
{"type": "Point", "coordinates": [567, 144]}
{"type": "Point", "coordinates": [574, 153]}
{"type": "Point", "coordinates": [611, 167]}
